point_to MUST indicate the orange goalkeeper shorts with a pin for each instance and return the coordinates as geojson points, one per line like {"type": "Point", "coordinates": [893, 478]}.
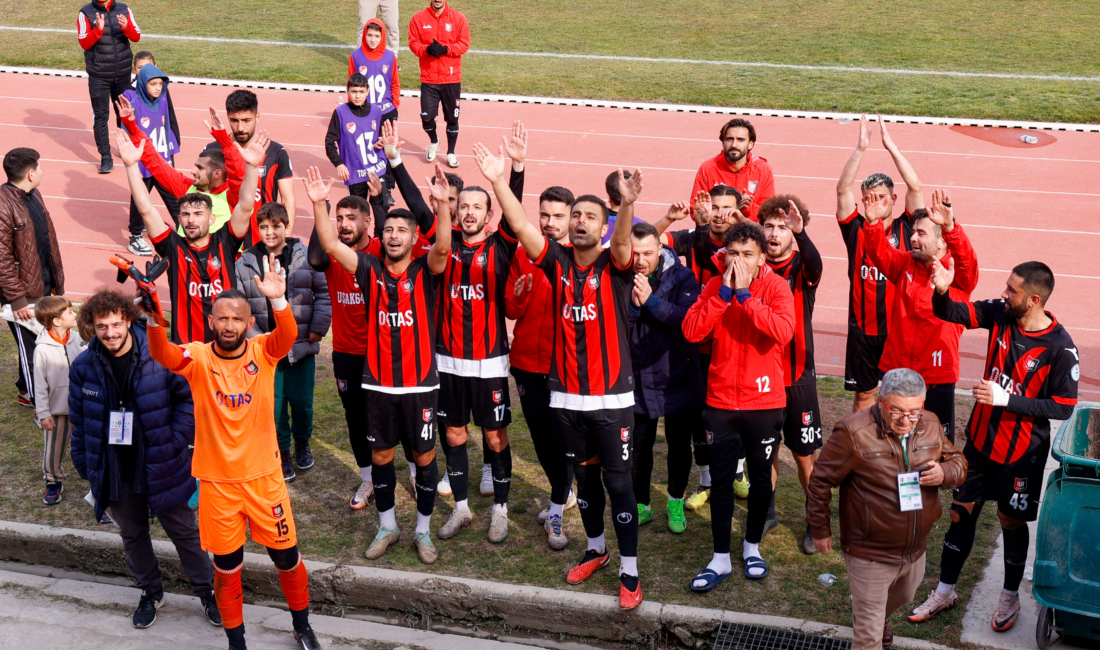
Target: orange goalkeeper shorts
{"type": "Point", "coordinates": [262, 505]}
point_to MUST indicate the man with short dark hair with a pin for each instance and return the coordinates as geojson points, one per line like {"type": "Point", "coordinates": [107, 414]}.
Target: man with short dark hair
{"type": "Point", "coordinates": [147, 469]}
{"type": "Point", "coordinates": [748, 312]}
{"type": "Point", "coordinates": [1030, 378]}
{"type": "Point", "coordinates": [105, 29]}
{"type": "Point", "coordinates": [890, 462]}
{"type": "Point", "coordinates": [439, 36]}
{"type": "Point", "coordinates": [667, 378]}
{"type": "Point", "coordinates": [200, 263]}
{"type": "Point", "coordinates": [916, 339]}
{"type": "Point", "coordinates": [737, 167]}
{"type": "Point", "coordinates": [611, 186]}
{"type": "Point", "coordinates": [399, 292]}
{"type": "Point", "coordinates": [591, 381]}
{"type": "Point", "coordinates": [30, 259]}
{"type": "Point", "coordinates": [308, 294]}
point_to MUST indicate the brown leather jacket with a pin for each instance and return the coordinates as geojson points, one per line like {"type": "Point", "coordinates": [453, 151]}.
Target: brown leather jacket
{"type": "Point", "coordinates": [20, 268]}
{"type": "Point", "coordinates": [863, 457]}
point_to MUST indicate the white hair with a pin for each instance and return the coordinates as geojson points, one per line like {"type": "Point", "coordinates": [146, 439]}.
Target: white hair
{"type": "Point", "coordinates": [902, 382]}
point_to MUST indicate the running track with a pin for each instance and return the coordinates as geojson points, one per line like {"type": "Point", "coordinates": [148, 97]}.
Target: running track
{"type": "Point", "coordinates": [1018, 203]}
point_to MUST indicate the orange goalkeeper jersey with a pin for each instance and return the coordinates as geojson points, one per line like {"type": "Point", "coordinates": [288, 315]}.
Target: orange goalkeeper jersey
{"type": "Point", "coordinates": [235, 438]}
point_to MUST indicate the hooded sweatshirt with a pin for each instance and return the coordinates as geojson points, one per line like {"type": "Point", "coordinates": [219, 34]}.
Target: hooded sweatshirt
{"type": "Point", "coordinates": [379, 66]}
{"type": "Point", "coordinates": [51, 373]}
{"type": "Point", "coordinates": [153, 114]}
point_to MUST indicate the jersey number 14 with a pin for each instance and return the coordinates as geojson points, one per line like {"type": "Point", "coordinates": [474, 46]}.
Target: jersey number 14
{"type": "Point", "coordinates": [159, 138]}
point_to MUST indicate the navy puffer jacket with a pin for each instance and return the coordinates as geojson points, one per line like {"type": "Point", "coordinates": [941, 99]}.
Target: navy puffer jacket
{"type": "Point", "coordinates": [164, 426]}
{"type": "Point", "coordinates": [667, 375]}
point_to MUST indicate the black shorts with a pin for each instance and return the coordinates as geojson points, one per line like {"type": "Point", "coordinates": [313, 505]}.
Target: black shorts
{"type": "Point", "coordinates": [861, 359]}
{"type": "Point", "coordinates": [759, 431]}
{"type": "Point", "coordinates": [489, 399]}
{"type": "Point", "coordinates": [1015, 487]}
{"type": "Point", "coordinates": [408, 418]}
{"type": "Point", "coordinates": [390, 116]}
{"type": "Point", "coordinates": [940, 399]}
{"type": "Point", "coordinates": [802, 426]}
{"type": "Point", "coordinates": [432, 95]}
{"type": "Point", "coordinates": [606, 433]}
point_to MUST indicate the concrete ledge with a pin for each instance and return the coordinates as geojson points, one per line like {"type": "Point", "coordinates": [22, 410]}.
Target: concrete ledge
{"type": "Point", "coordinates": [537, 609]}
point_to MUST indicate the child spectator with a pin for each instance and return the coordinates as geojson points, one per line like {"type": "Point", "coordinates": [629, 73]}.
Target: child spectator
{"type": "Point", "coordinates": [56, 348]}
{"type": "Point", "coordinates": [307, 292]}
{"type": "Point", "coordinates": [352, 134]}
{"type": "Point", "coordinates": [156, 117]}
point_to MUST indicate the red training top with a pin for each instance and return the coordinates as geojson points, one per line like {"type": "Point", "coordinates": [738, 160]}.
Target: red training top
{"type": "Point", "coordinates": [533, 310]}
{"type": "Point", "coordinates": [756, 173]}
{"type": "Point", "coordinates": [449, 28]}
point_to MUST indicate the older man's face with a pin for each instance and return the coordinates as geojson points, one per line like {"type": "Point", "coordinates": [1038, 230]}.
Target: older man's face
{"type": "Point", "coordinates": [901, 413]}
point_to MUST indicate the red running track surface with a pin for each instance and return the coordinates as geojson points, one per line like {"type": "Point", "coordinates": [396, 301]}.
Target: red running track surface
{"type": "Point", "coordinates": [1018, 203]}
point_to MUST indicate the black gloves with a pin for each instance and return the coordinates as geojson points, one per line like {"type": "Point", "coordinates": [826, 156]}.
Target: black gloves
{"type": "Point", "coordinates": [436, 49]}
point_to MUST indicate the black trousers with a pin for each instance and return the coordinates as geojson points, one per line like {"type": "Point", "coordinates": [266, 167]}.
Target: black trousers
{"type": "Point", "coordinates": [534, 398]}
{"type": "Point", "coordinates": [348, 369]}
{"type": "Point", "coordinates": [678, 435]}
{"type": "Point", "coordinates": [131, 513]}
{"type": "Point", "coordinates": [104, 93]}
{"type": "Point", "coordinates": [170, 202]}
{"type": "Point", "coordinates": [940, 399]}
{"type": "Point", "coordinates": [24, 341]}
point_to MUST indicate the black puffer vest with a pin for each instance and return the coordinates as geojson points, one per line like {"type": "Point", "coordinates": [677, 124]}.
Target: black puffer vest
{"type": "Point", "coordinates": [110, 57]}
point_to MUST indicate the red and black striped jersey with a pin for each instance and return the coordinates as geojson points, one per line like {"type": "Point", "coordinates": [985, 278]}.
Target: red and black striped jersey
{"type": "Point", "coordinates": [195, 277]}
{"type": "Point", "coordinates": [870, 294]}
{"type": "Point", "coordinates": [400, 332]}
{"type": "Point", "coordinates": [472, 332]}
{"type": "Point", "coordinates": [591, 340]}
{"type": "Point", "coordinates": [1038, 370]}
{"type": "Point", "coordinates": [697, 248]}
{"type": "Point", "coordinates": [802, 271]}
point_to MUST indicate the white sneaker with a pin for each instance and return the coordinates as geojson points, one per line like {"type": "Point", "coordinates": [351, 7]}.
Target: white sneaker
{"type": "Point", "coordinates": [498, 527]}
{"type": "Point", "coordinates": [487, 481]}
{"type": "Point", "coordinates": [364, 496]}
{"type": "Point", "coordinates": [444, 486]}
{"type": "Point", "coordinates": [452, 160]}
{"type": "Point", "coordinates": [139, 247]}
{"type": "Point", "coordinates": [432, 150]}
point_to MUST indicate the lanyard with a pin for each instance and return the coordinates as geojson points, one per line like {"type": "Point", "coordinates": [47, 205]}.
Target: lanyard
{"type": "Point", "coordinates": [905, 450]}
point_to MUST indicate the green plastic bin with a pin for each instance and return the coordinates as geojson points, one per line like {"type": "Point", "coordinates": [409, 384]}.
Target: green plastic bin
{"type": "Point", "coordinates": [1066, 576]}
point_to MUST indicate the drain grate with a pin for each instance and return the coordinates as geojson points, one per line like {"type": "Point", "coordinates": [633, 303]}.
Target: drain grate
{"type": "Point", "coordinates": [735, 636]}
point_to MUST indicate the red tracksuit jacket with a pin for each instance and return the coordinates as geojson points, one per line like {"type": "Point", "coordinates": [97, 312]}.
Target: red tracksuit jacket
{"type": "Point", "coordinates": [449, 28]}
{"type": "Point", "coordinates": [916, 338]}
{"type": "Point", "coordinates": [717, 171]}
{"type": "Point", "coordinates": [533, 311]}
{"type": "Point", "coordinates": [747, 363]}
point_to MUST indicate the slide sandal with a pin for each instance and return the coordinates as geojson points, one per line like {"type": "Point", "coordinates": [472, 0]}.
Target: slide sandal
{"type": "Point", "coordinates": [713, 580]}
{"type": "Point", "coordinates": [756, 563]}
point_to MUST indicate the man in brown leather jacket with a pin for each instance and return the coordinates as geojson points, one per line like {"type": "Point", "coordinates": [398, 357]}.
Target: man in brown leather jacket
{"type": "Point", "coordinates": [889, 461]}
{"type": "Point", "coordinates": [30, 261]}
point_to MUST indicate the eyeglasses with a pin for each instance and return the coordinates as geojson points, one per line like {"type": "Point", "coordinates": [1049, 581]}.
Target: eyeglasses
{"type": "Point", "coordinates": [913, 416]}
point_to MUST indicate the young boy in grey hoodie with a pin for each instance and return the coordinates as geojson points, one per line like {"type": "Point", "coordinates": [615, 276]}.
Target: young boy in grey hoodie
{"type": "Point", "coordinates": [56, 348]}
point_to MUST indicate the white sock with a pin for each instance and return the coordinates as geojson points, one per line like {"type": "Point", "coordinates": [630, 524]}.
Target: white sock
{"type": "Point", "coordinates": [423, 523]}
{"type": "Point", "coordinates": [1010, 593]}
{"type": "Point", "coordinates": [628, 566]}
{"type": "Point", "coordinates": [463, 505]}
{"type": "Point", "coordinates": [644, 507]}
{"type": "Point", "coordinates": [597, 544]}
{"type": "Point", "coordinates": [704, 476]}
{"type": "Point", "coordinates": [412, 469]}
{"type": "Point", "coordinates": [740, 465]}
{"type": "Point", "coordinates": [388, 519]}
{"type": "Point", "coordinates": [365, 473]}
{"type": "Point", "coordinates": [752, 550]}
{"type": "Point", "coordinates": [557, 509]}
{"type": "Point", "coordinates": [501, 508]}
{"type": "Point", "coordinates": [945, 589]}
{"type": "Point", "coordinates": [720, 564]}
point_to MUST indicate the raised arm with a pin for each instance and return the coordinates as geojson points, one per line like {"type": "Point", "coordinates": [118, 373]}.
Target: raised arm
{"type": "Point", "coordinates": [131, 155]}
{"type": "Point", "coordinates": [516, 148]}
{"type": "Point", "coordinates": [234, 164]}
{"type": "Point", "coordinates": [391, 144]}
{"type": "Point", "coordinates": [441, 247]}
{"type": "Point", "coordinates": [812, 265]}
{"type": "Point", "coordinates": [958, 244]}
{"type": "Point", "coordinates": [278, 343]}
{"type": "Point", "coordinates": [253, 156]}
{"type": "Point", "coordinates": [317, 191]}
{"type": "Point", "coordinates": [492, 168]}
{"type": "Point", "coordinates": [631, 189]}
{"type": "Point", "coordinates": [176, 182]}
{"type": "Point", "coordinates": [845, 200]}
{"type": "Point", "coordinates": [676, 212]}
{"type": "Point", "coordinates": [887, 259]}
{"type": "Point", "coordinates": [914, 198]}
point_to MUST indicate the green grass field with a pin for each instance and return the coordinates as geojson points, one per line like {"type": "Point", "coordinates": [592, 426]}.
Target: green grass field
{"type": "Point", "coordinates": [329, 530]}
{"type": "Point", "coordinates": [984, 36]}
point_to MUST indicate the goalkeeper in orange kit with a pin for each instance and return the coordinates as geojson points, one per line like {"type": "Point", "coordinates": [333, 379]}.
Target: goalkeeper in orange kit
{"type": "Point", "coordinates": [236, 453]}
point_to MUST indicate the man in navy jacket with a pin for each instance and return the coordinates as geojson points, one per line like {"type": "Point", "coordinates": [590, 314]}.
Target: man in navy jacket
{"type": "Point", "coordinates": [668, 380]}
{"type": "Point", "coordinates": [116, 388]}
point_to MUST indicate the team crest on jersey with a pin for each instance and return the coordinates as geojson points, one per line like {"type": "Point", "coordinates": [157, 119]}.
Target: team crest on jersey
{"type": "Point", "coordinates": [350, 126]}
{"type": "Point", "coordinates": [808, 418]}
{"type": "Point", "coordinates": [385, 69]}
{"type": "Point", "coordinates": [341, 385]}
{"type": "Point", "coordinates": [145, 122]}
{"type": "Point", "coordinates": [498, 396]}
{"type": "Point", "coordinates": [894, 241]}
{"type": "Point", "coordinates": [625, 434]}
{"type": "Point", "coordinates": [1032, 364]}
{"type": "Point", "coordinates": [407, 286]}
{"type": "Point", "coordinates": [215, 263]}
{"type": "Point", "coordinates": [363, 70]}
{"type": "Point", "coordinates": [480, 260]}
{"type": "Point", "coordinates": [252, 369]}
{"type": "Point", "coordinates": [261, 170]}
{"type": "Point", "coordinates": [1020, 484]}
{"type": "Point", "coordinates": [594, 281]}
{"type": "Point", "coordinates": [447, 27]}
{"type": "Point", "coordinates": [374, 125]}
{"type": "Point", "coordinates": [427, 415]}
{"type": "Point", "coordinates": [277, 511]}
